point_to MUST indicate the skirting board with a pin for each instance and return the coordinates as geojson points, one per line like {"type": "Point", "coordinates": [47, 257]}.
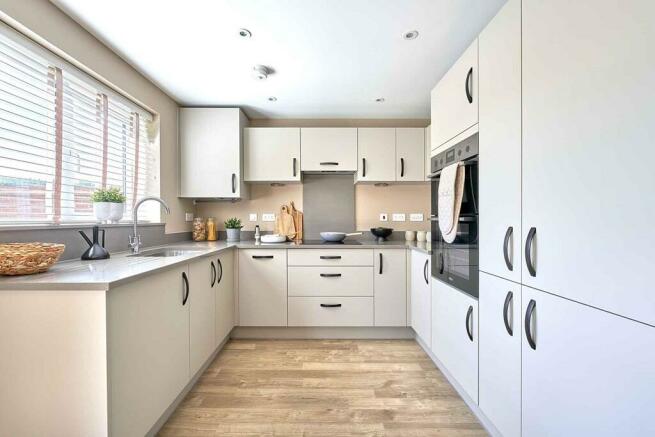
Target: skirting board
{"type": "Point", "coordinates": [473, 406]}
{"type": "Point", "coordinates": [359, 333]}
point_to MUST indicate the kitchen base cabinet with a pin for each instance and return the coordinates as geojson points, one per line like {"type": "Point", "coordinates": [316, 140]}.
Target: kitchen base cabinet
{"type": "Point", "coordinates": [500, 353]}
{"type": "Point", "coordinates": [421, 295]}
{"type": "Point", "coordinates": [147, 350]}
{"type": "Point", "coordinates": [455, 334]}
{"type": "Point", "coordinates": [202, 307]}
{"type": "Point", "coordinates": [262, 287]}
{"type": "Point", "coordinates": [590, 373]}
{"type": "Point", "coordinates": [390, 284]}
{"type": "Point", "coordinates": [330, 311]}
{"type": "Point", "coordinates": [224, 295]}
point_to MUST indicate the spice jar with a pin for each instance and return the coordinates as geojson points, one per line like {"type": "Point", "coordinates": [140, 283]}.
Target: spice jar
{"type": "Point", "coordinates": [199, 229]}
{"type": "Point", "coordinates": [211, 229]}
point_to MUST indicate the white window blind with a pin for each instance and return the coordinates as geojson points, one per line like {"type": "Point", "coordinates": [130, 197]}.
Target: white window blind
{"type": "Point", "coordinates": [63, 134]}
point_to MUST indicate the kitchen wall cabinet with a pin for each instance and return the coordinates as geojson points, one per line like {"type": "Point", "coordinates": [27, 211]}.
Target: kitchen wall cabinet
{"type": "Point", "coordinates": [262, 287]}
{"type": "Point", "coordinates": [328, 149]}
{"type": "Point", "coordinates": [589, 373]}
{"type": "Point", "coordinates": [202, 307]}
{"type": "Point", "coordinates": [390, 283]}
{"type": "Point", "coordinates": [225, 291]}
{"type": "Point", "coordinates": [455, 335]}
{"type": "Point", "coordinates": [587, 165]}
{"type": "Point", "coordinates": [500, 144]}
{"type": "Point", "coordinates": [148, 349]}
{"type": "Point", "coordinates": [410, 154]}
{"type": "Point", "coordinates": [211, 153]}
{"type": "Point", "coordinates": [500, 331]}
{"type": "Point", "coordinates": [376, 153]}
{"type": "Point", "coordinates": [421, 296]}
{"type": "Point", "coordinates": [428, 152]}
{"type": "Point", "coordinates": [272, 154]}
{"type": "Point", "coordinates": [454, 100]}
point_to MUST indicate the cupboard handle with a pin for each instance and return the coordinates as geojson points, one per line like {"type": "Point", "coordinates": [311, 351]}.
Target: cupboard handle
{"type": "Point", "coordinates": [467, 85]}
{"type": "Point", "coordinates": [402, 167]}
{"type": "Point", "coordinates": [380, 262]}
{"type": "Point", "coordinates": [363, 167]}
{"type": "Point", "coordinates": [441, 264]}
{"type": "Point", "coordinates": [330, 275]}
{"type": "Point", "coordinates": [508, 235]}
{"type": "Point", "coordinates": [329, 163]}
{"type": "Point", "coordinates": [331, 305]}
{"type": "Point", "coordinates": [220, 265]}
{"type": "Point", "coordinates": [508, 299]}
{"type": "Point", "coordinates": [186, 288]}
{"type": "Point", "coordinates": [469, 317]}
{"type": "Point", "coordinates": [528, 324]}
{"type": "Point", "coordinates": [294, 167]}
{"type": "Point", "coordinates": [213, 281]}
{"type": "Point", "coordinates": [425, 271]}
{"type": "Point", "coordinates": [330, 257]}
{"type": "Point", "coordinates": [528, 251]}
{"type": "Point", "coordinates": [234, 183]}
{"type": "Point", "coordinates": [262, 257]}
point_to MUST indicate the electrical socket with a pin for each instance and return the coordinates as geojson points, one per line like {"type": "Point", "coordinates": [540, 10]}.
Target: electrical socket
{"type": "Point", "coordinates": [384, 217]}
{"type": "Point", "coordinates": [188, 216]}
{"type": "Point", "coordinates": [252, 217]}
{"type": "Point", "coordinates": [397, 217]}
{"type": "Point", "coordinates": [268, 217]}
{"type": "Point", "coordinates": [416, 217]}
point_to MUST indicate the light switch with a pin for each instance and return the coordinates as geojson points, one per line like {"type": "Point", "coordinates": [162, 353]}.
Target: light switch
{"type": "Point", "coordinates": [384, 217]}
{"type": "Point", "coordinates": [396, 217]}
{"type": "Point", "coordinates": [188, 216]}
{"type": "Point", "coordinates": [416, 217]}
{"type": "Point", "coordinates": [252, 217]}
{"type": "Point", "coordinates": [268, 217]}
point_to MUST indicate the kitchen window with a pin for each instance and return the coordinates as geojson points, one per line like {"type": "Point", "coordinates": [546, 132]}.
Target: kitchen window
{"type": "Point", "coordinates": [64, 134]}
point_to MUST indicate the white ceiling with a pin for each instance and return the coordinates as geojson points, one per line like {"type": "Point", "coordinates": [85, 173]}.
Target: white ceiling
{"type": "Point", "coordinates": [332, 58]}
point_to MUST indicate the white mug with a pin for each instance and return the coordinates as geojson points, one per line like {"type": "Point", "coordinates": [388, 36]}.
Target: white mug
{"type": "Point", "coordinates": [410, 235]}
{"type": "Point", "coordinates": [420, 236]}
{"type": "Point", "coordinates": [428, 236]}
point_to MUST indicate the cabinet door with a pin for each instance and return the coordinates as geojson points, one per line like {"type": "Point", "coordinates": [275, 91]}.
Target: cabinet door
{"type": "Point", "coordinates": [328, 149]}
{"type": "Point", "coordinates": [390, 285]}
{"type": "Point", "coordinates": [421, 296]}
{"type": "Point", "coordinates": [410, 154]}
{"type": "Point", "coordinates": [428, 152]}
{"type": "Point", "coordinates": [224, 296]}
{"type": "Point", "coordinates": [272, 154]}
{"type": "Point", "coordinates": [210, 152]}
{"type": "Point", "coordinates": [588, 152]}
{"type": "Point", "coordinates": [590, 372]}
{"type": "Point", "coordinates": [376, 152]}
{"type": "Point", "coordinates": [263, 287]}
{"type": "Point", "coordinates": [455, 334]}
{"type": "Point", "coordinates": [500, 144]}
{"type": "Point", "coordinates": [148, 349]}
{"type": "Point", "coordinates": [454, 101]}
{"type": "Point", "coordinates": [202, 306]}
{"type": "Point", "coordinates": [500, 353]}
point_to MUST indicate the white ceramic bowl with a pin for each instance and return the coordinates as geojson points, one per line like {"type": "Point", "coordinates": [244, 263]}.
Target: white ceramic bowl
{"type": "Point", "coordinates": [273, 238]}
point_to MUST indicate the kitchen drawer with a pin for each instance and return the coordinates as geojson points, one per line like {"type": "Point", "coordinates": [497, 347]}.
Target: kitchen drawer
{"type": "Point", "coordinates": [331, 257]}
{"type": "Point", "coordinates": [330, 281]}
{"type": "Point", "coordinates": [353, 311]}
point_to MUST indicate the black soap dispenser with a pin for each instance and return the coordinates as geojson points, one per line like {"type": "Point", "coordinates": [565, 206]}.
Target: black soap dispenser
{"type": "Point", "coordinates": [95, 250]}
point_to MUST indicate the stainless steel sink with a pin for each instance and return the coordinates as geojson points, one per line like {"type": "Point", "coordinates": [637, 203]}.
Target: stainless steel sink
{"type": "Point", "coordinates": [160, 253]}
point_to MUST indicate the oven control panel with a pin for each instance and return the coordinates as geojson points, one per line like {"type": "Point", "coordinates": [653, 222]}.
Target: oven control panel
{"type": "Point", "coordinates": [461, 151]}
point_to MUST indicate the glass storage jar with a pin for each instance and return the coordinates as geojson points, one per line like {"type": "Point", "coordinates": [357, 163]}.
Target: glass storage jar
{"type": "Point", "coordinates": [211, 229]}
{"type": "Point", "coordinates": [199, 229]}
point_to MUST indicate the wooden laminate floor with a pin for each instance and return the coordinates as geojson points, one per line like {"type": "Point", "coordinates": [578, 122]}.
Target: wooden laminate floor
{"type": "Point", "coordinates": [322, 388]}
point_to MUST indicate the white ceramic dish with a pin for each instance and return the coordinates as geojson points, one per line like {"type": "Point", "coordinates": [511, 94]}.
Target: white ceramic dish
{"type": "Point", "coordinates": [273, 238]}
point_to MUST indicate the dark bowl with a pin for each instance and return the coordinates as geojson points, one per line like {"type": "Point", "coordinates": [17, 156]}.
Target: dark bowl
{"type": "Point", "coordinates": [381, 233]}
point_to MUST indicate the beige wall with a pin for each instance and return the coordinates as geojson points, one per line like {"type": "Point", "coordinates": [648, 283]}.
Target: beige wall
{"type": "Point", "coordinates": [48, 22]}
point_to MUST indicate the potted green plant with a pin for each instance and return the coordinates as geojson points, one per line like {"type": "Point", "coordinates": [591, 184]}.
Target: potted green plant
{"type": "Point", "coordinates": [108, 204]}
{"type": "Point", "coordinates": [233, 227]}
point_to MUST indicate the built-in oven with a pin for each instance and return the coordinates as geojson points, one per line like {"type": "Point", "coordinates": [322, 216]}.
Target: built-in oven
{"type": "Point", "coordinates": [456, 263]}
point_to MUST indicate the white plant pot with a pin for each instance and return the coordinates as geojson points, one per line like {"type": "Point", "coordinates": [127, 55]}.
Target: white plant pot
{"type": "Point", "coordinates": [233, 234]}
{"type": "Point", "coordinates": [116, 211]}
{"type": "Point", "coordinates": [102, 211]}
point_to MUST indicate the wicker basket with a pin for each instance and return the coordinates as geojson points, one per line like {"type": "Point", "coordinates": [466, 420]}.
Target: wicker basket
{"type": "Point", "coordinates": [28, 258]}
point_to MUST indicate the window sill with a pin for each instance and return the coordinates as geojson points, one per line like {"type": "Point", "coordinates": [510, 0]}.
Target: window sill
{"type": "Point", "coordinates": [74, 226]}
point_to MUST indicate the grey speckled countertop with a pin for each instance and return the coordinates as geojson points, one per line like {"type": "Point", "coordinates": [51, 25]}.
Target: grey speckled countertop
{"type": "Point", "coordinates": [121, 268]}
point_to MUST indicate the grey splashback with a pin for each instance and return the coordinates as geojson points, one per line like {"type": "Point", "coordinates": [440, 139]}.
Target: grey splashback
{"type": "Point", "coordinates": [328, 203]}
{"type": "Point", "coordinates": [116, 240]}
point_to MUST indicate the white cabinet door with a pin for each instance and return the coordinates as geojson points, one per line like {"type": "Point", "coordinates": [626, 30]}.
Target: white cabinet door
{"type": "Point", "coordinates": [455, 334]}
{"type": "Point", "coordinates": [328, 149]}
{"type": "Point", "coordinates": [410, 154]}
{"type": "Point", "coordinates": [588, 93]}
{"type": "Point", "coordinates": [224, 295]}
{"type": "Point", "coordinates": [211, 152]}
{"type": "Point", "coordinates": [500, 144]}
{"type": "Point", "coordinates": [202, 306]}
{"type": "Point", "coordinates": [590, 372]}
{"type": "Point", "coordinates": [271, 154]}
{"type": "Point", "coordinates": [390, 284]}
{"type": "Point", "coordinates": [454, 100]}
{"type": "Point", "coordinates": [262, 287]}
{"type": "Point", "coordinates": [376, 152]}
{"type": "Point", "coordinates": [428, 152]}
{"type": "Point", "coordinates": [421, 296]}
{"type": "Point", "coordinates": [500, 353]}
{"type": "Point", "coordinates": [148, 349]}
